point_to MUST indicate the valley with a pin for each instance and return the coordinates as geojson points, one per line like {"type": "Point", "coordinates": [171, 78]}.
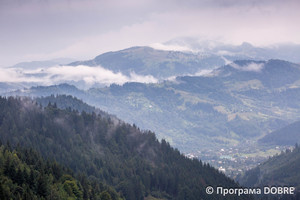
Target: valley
{"type": "Point", "coordinates": [223, 109]}
{"type": "Point", "coordinates": [221, 118]}
{"type": "Point", "coordinates": [233, 161]}
{"type": "Point", "coordinates": [217, 118]}
{"type": "Point", "coordinates": [149, 100]}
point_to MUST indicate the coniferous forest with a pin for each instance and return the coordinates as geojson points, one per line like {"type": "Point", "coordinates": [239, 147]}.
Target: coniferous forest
{"type": "Point", "coordinates": [26, 175]}
{"type": "Point", "coordinates": [149, 100]}
{"type": "Point", "coordinates": [55, 153]}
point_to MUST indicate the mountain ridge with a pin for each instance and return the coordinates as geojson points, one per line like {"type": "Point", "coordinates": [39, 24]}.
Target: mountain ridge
{"type": "Point", "coordinates": [279, 170]}
{"type": "Point", "coordinates": [145, 60]}
{"type": "Point", "coordinates": [118, 154]}
{"type": "Point", "coordinates": [234, 102]}
{"type": "Point", "coordinates": [288, 135]}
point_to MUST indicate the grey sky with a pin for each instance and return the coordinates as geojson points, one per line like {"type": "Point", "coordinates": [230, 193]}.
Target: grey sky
{"type": "Point", "coordinates": [82, 29]}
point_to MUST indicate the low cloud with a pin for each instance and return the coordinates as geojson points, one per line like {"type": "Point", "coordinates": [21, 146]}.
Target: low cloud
{"type": "Point", "coordinates": [254, 67]}
{"type": "Point", "coordinates": [16, 75]}
{"type": "Point", "coordinates": [203, 72]}
{"type": "Point", "coordinates": [174, 47]}
{"type": "Point", "coordinates": [227, 62]}
{"type": "Point", "coordinates": [90, 75]}
{"type": "Point", "coordinates": [85, 75]}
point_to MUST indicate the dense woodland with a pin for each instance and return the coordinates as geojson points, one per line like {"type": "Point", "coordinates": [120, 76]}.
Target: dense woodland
{"type": "Point", "coordinates": [24, 174]}
{"type": "Point", "coordinates": [70, 102]}
{"type": "Point", "coordinates": [287, 135]}
{"type": "Point", "coordinates": [279, 170]}
{"type": "Point", "coordinates": [105, 150]}
{"type": "Point", "coordinates": [282, 169]}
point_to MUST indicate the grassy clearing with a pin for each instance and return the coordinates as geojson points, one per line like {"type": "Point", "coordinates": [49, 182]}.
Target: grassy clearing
{"type": "Point", "coordinates": [260, 153]}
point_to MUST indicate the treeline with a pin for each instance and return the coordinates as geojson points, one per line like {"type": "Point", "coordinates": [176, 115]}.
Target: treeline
{"type": "Point", "coordinates": [71, 103]}
{"type": "Point", "coordinates": [282, 169]}
{"type": "Point", "coordinates": [108, 151]}
{"type": "Point", "coordinates": [287, 135]}
{"type": "Point", "coordinates": [24, 174]}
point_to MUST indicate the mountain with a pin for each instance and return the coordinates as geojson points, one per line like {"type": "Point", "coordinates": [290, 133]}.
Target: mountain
{"type": "Point", "coordinates": [8, 87]}
{"type": "Point", "coordinates": [158, 63]}
{"type": "Point", "coordinates": [44, 91]}
{"type": "Point", "coordinates": [42, 64]}
{"type": "Point", "coordinates": [140, 64]}
{"type": "Point", "coordinates": [243, 51]}
{"type": "Point", "coordinates": [25, 174]}
{"type": "Point", "coordinates": [108, 151]}
{"type": "Point", "coordinates": [279, 170]}
{"type": "Point", "coordinates": [288, 135]}
{"type": "Point", "coordinates": [136, 64]}
{"type": "Point", "coordinates": [163, 64]}
{"type": "Point", "coordinates": [218, 117]}
{"type": "Point", "coordinates": [273, 74]}
{"type": "Point", "coordinates": [236, 103]}
{"type": "Point", "coordinates": [27, 74]}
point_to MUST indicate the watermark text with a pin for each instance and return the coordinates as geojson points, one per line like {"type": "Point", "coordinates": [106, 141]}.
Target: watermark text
{"type": "Point", "coordinates": [275, 190]}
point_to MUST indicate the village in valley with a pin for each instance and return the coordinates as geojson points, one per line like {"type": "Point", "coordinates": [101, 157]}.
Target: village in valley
{"type": "Point", "coordinates": [233, 161]}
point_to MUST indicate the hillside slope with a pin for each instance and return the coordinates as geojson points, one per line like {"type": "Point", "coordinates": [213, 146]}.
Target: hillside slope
{"type": "Point", "coordinates": [25, 175]}
{"type": "Point", "coordinates": [280, 170]}
{"type": "Point", "coordinates": [237, 102]}
{"type": "Point", "coordinates": [112, 152]}
{"type": "Point", "coordinates": [158, 63]}
{"type": "Point", "coordinates": [288, 135]}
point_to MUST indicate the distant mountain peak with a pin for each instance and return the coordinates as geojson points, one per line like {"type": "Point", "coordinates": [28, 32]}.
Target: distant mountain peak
{"type": "Point", "coordinates": [43, 64]}
{"type": "Point", "coordinates": [247, 45]}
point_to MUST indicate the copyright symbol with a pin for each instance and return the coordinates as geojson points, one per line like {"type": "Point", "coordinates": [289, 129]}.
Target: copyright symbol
{"type": "Point", "coordinates": [209, 190]}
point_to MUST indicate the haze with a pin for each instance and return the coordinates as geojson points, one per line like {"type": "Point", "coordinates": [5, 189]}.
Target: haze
{"type": "Point", "coordinates": [42, 29]}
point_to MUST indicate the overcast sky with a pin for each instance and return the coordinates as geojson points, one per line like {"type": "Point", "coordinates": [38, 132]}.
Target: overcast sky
{"type": "Point", "coordinates": [82, 29]}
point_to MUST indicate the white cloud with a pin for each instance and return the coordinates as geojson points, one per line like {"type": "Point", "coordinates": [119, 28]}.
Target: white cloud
{"type": "Point", "coordinates": [16, 75]}
{"type": "Point", "coordinates": [61, 74]}
{"type": "Point", "coordinates": [142, 79]}
{"type": "Point", "coordinates": [90, 75]}
{"type": "Point", "coordinates": [254, 67]}
{"type": "Point", "coordinates": [203, 72]}
{"type": "Point", "coordinates": [35, 30]}
{"type": "Point", "coordinates": [164, 47]}
{"type": "Point", "coordinates": [227, 62]}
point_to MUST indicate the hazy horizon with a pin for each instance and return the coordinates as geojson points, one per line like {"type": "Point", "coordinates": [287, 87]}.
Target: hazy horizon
{"type": "Point", "coordinates": [42, 30]}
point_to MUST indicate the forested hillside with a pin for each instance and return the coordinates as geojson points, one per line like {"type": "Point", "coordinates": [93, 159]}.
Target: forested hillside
{"type": "Point", "coordinates": [107, 150]}
{"type": "Point", "coordinates": [24, 174]}
{"type": "Point", "coordinates": [288, 135]}
{"type": "Point", "coordinates": [241, 101]}
{"type": "Point", "coordinates": [280, 170]}
{"type": "Point", "coordinates": [71, 103]}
